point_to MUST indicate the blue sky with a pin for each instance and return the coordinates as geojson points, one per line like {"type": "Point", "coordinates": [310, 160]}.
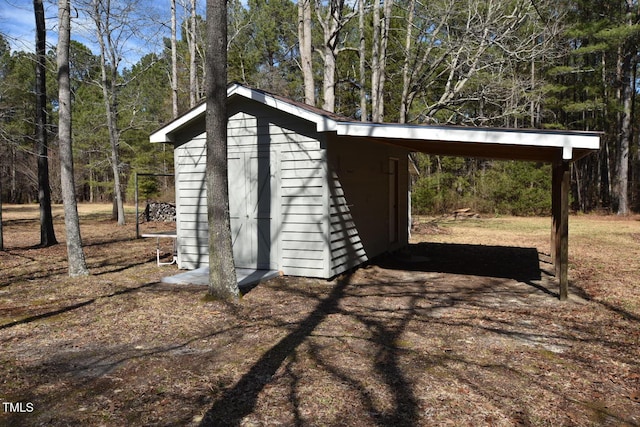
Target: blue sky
{"type": "Point", "coordinates": [17, 24]}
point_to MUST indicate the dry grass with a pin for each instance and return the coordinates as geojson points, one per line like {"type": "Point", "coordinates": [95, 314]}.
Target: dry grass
{"type": "Point", "coordinates": [463, 329]}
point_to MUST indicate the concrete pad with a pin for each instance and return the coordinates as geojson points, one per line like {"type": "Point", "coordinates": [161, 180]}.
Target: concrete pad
{"type": "Point", "coordinates": [200, 276]}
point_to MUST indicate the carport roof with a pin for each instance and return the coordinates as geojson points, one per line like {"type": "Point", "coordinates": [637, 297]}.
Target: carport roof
{"type": "Point", "coordinates": [497, 143]}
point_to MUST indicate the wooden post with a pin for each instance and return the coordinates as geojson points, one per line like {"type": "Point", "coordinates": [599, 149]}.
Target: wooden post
{"type": "Point", "coordinates": [555, 213]}
{"type": "Point", "coordinates": [560, 230]}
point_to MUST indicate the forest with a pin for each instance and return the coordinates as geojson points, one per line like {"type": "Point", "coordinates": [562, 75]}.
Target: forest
{"type": "Point", "coordinates": [545, 64]}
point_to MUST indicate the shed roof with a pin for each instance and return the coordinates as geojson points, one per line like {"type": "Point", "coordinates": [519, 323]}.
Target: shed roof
{"type": "Point", "coordinates": [516, 144]}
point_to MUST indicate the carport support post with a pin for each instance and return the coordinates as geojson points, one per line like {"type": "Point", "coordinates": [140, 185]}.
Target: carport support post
{"type": "Point", "coordinates": [560, 231]}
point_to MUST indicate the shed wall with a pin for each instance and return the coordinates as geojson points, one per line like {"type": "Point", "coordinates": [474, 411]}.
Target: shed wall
{"type": "Point", "coordinates": [360, 200]}
{"type": "Point", "coordinates": [298, 225]}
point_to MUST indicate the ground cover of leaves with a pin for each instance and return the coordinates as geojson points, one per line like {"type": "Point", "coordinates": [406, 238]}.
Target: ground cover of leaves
{"type": "Point", "coordinates": [463, 328]}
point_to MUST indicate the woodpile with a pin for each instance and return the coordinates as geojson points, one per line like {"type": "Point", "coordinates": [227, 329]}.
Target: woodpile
{"type": "Point", "coordinates": [463, 214]}
{"type": "Point", "coordinates": [159, 212]}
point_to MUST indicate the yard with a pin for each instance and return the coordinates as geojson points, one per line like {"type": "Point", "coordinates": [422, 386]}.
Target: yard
{"type": "Point", "coordinates": [464, 328]}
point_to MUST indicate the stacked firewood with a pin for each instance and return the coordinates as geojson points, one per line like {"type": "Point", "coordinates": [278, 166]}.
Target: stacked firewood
{"type": "Point", "coordinates": [159, 212]}
{"type": "Point", "coordinates": [465, 213]}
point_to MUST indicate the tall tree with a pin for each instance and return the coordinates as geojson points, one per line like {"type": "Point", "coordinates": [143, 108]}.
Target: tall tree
{"type": "Point", "coordinates": [306, 60]}
{"type": "Point", "coordinates": [222, 274]}
{"type": "Point", "coordinates": [174, 61]}
{"type": "Point", "coordinates": [192, 41]}
{"type": "Point", "coordinates": [106, 26]}
{"type": "Point", "coordinates": [628, 60]}
{"type": "Point", "coordinates": [362, 60]}
{"type": "Point", "coordinates": [332, 18]}
{"type": "Point", "coordinates": [381, 26]}
{"type": "Point", "coordinates": [47, 234]}
{"type": "Point", "coordinates": [75, 253]}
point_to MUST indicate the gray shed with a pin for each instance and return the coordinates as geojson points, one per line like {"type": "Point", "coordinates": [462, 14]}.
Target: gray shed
{"type": "Point", "coordinates": [303, 200]}
{"type": "Point", "coordinates": [314, 194]}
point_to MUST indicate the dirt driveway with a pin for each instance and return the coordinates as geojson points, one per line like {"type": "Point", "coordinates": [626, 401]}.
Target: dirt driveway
{"type": "Point", "coordinates": [464, 328]}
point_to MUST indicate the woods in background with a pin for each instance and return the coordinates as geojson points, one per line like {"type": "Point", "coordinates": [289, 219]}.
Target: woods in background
{"type": "Point", "coordinates": [502, 63]}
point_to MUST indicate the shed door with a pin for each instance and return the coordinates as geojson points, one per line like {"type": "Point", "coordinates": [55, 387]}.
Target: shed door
{"type": "Point", "coordinates": [252, 208]}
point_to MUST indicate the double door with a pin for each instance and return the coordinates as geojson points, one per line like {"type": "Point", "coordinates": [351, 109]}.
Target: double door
{"type": "Point", "coordinates": [253, 209]}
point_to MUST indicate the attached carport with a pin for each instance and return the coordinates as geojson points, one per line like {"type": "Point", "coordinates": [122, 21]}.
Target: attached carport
{"type": "Point", "coordinates": [559, 148]}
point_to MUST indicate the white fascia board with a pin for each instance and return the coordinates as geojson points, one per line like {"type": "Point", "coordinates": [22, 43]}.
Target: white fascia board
{"type": "Point", "coordinates": [323, 123]}
{"type": "Point", "coordinates": [164, 134]}
{"type": "Point", "coordinates": [567, 141]}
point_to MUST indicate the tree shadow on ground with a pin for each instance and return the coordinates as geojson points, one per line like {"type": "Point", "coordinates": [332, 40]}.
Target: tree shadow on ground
{"type": "Point", "coordinates": [520, 264]}
{"type": "Point", "coordinates": [236, 403]}
{"type": "Point", "coordinates": [239, 401]}
{"type": "Point", "coordinates": [72, 307]}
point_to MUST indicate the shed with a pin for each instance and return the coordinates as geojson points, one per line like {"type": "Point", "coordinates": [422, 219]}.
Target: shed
{"type": "Point", "coordinates": [314, 194]}
{"type": "Point", "coordinates": [302, 199]}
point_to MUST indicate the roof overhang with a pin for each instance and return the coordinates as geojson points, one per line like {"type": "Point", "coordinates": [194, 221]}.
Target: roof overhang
{"type": "Point", "coordinates": [324, 123]}
{"type": "Point", "coordinates": [514, 144]}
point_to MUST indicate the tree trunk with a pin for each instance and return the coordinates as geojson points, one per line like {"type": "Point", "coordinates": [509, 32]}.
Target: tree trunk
{"type": "Point", "coordinates": [628, 63]}
{"type": "Point", "coordinates": [222, 274]}
{"type": "Point", "coordinates": [306, 60]}
{"type": "Point", "coordinates": [329, 79]}
{"type": "Point", "coordinates": [75, 253]}
{"type": "Point", "coordinates": [47, 234]}
{"type": "Point", "coordinates": [1, 230]}
{"type": "Point", "coordinates": [375, 61]}
{"type": "Point", "coordinates": [626, 134]}
{"type": "Point", "coordinates": [13, 192]}
{"type": "Point", "coordinates": [174, 62]}
{"type": "Point", "coordinates": [332, 22]}
{"type": "Point", "coordinates": [364, 116]}
{"type": "Point", "coordinates": [406, 74]}
{"type": "Point", "coordinates": [384, 42]}
{"type": "Point", "coordinates": [193, 71]}
{"type": "Point", "coordinates": [110, 95]}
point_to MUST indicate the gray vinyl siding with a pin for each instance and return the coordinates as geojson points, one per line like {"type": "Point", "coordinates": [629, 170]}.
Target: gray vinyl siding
{"type": "Point", "coordinates": [299, 225]}
{"type": "Point", "coordinates": [300, 228]}
{"type": "Point", "coordinates": [329, 208]}
{"type": "Point", "coordinates": [303, 212]}
{"type": "Point", "coordinates": [191, 203]}
{"type": "Point", "coordinates": [345, 246]}
{"type": "Point", "coordinates": [359, 201]}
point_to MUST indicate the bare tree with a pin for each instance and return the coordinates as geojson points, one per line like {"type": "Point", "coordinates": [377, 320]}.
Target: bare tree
{"type": "Point", "coordinates": [193, 70]}
{"type": "Point", "coordinates": [110, 57]}
{"type": "Point", "coordinates": [380, 42]}
{"type": "Point", "coordinates": [628, 58]}
{"type": "Point", "coordinates": [75, 253]}
{"type": "Point", "coordinates": [306, 51]}
{"type": "Point", "coordinates": [450, 42]}
{"type": "Point", "coordinates": [332, 19]}
{"type": "Point", "coordinates": [47, 234]}
{"type": "Point", "coordinates": [174, 61]}
{"type": "Point", "coordinates": [362, 69]}
{"type": "Point", "coordinates": [222, 274]}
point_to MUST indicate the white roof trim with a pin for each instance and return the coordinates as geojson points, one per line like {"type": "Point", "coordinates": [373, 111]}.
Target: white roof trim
{"type": "Point", "coordinates": [164, 134]}
{"type": "Point", "coordinates": [323, 123]}
{"type": "Point", "coordinates": [567, 141]}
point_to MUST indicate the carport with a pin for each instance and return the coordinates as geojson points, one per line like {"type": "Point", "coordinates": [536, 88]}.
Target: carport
{"type": "Point", "coordinates": [559, 148]}
{"type": "Point", "coordinates": [325, 191]}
